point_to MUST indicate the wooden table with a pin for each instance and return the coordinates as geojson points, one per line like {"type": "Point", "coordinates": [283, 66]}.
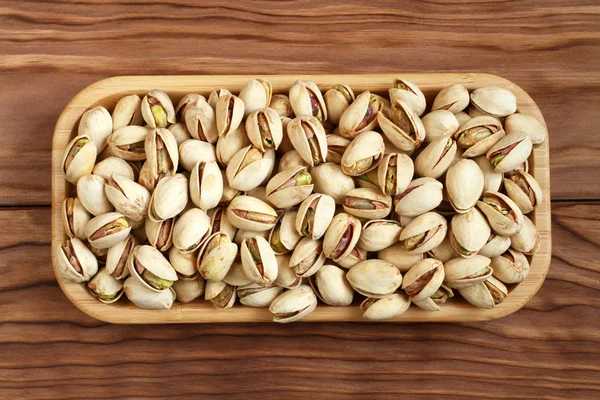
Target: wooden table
{"type": "Point", "coordinates": [49, 51]}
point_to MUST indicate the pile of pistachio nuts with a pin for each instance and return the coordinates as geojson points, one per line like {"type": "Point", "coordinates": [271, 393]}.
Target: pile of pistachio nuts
{"type": "Point", "coordinates": [282, 200]}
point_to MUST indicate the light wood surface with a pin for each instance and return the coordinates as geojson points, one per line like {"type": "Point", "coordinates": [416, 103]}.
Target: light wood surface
{"type": "Point", "coordinates": [107, 92]}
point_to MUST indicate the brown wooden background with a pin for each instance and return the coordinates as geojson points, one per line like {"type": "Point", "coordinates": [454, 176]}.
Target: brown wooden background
{"type": "Point", "coordinates": [51, 50]}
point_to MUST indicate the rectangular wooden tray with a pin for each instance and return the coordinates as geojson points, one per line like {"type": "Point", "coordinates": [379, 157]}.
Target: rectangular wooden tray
{"type": "Point", "coordinates": [107, 92]}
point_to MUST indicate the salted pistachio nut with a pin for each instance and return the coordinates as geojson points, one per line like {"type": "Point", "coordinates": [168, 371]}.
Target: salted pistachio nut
{"type": "Point", "coordinates": [117, 255]}
{"type": "Point", "coordinates": [424, 233]}
{"type": "Point", "coordinates": [328, 178]}
{"type": "Point", "coordinates": [526, 123]}
{"type": "Point", "coordinates": [527, 240]}
{"type": "Point", "coordinates": [286, 276]}
{"type": "Point", "coordinates": [281, 104]}
{"type": "Point", "coordinates": [160, 233]}
{"type": "Point", "coordinates": [495, 101]}
{"type": "Point", "coordinates": [256, 94]}
{"type": "Point", "coordinates": [363, 154]}
{"type": "Point", "coordinates": [398, 255]}
{"type": "Point", "coordinates": [379, 234]}
{"type": "Point", "coordinates": [79, 158]}
{"type": "Point", "coordinates": [206, 185]}
{"type": "Point", "coordinates": [188, 101]}
{"type": "Point", "coordinates": [214, 96]}
{"type": "Point", "coordinates": [510, 152]}
{"type": "Point", "coordinates": [315, 215]}
{"type": "Point", "coordinates": [264, 129]}
{"type": "Point", "coordinates": [503, 215]}
{"type": "Point", "coordinates": [331, 286]}
{"type": "Point", "coordinates": [524, 191]}
{"type": "Point", "coordinates": [255, 295]}
{"type": "Point", "coordinates": [336, 146]}
{"type": "Point", "coordinates": [410, 94]}
{"type": "Point", "coordinates": [384, 308]}
{"type": "Point", "coordinates": [486, 294]}
{"type": "Point", "coordinates": [496, 245]}
{"type": "Point", "coordinates": [128, 141]}
{"type": "Point", "coordinates": [368, 203]}
{"type": "Point", "coordinates": [229, 113]}
{"type": "Point", "coordinates": [105, 287]}
{"type": "Point", "coordinates": [157, 109]}
{"type": "Point", "coordinates": [510, 267]}
{"type": "Point", "coordinates": [228, 146]}
{"type": "Point", "coordinates": [394, 173]}
{"type": "Point", "coordinates": [127, 112]}
{"type": "Point", "coordinates": [114, 166]}
{"type": "Point", "coordinates": [289, 187]}
{"type": "Point", "coordinates": [258, 260]}
{"type": "Point", "coordinates": [74, 217]}
{"type": "Point", "coordinates": [341, 236]}
{"type": "Point", "coordinates": [306, 100]}
{"type": "Point", "coordinates": [463, 272]}
{"type": "Point", "coordinates": [91, 193]}
{"type": "Point", "coordinates": [435, 159]}
{"type": "Point", "coordinates": [307, 257]}
{"type": "Point", "coordinates": [140, 295]}
{"type": "Point", "coordinates": [438, 123]}
{"type": "Point", "coordinates": [360, 116]}
{"type": "Point", "coordinates": [492, 180]}
{"type": "Point", "coordinates": [220, 294]}
{"type": "Point", "coordinates": [309, 139]}
{"type": "Point", "coordinates": [405, 129]}
{"type": "Point", "coordinates": [283, 238]}
{"type": "Point", "coordinates": [421, 195]}
{"type": "Point", "coordinates": [201, 122]}
{"type": "Point", "coordinates": [337, 99]}
{"type": "Point", "coordinates": [188, 290]}
{"type": "Point", "coordinates": [249, 167]}
{"type": "Point", "coordinates": [191, 151]}
{"type": "Point", "coordinates": [151, 268]}
{"type": "Point", "coordinates": [106, 230]}
{"type": "Point", "coordinates": [128, 197]}
{"type": "Point", "coordinates": [374, 278]}
{"type": "Point", "coordinates": [433, 302]}
{"type": "Point", "coordinates": [293, 304]}
{"type": "Point", "coordinates": [469, 232]}
{"type": "Point", "coordinates": [354, 257]}
{"type": "Point", "coordinates": [478, 135]}
{"type": "Point", "coordinates": [76, 262]}
{"type": "Point", "coordinates": [169, 197]}
{"type": "Point", "coordinates": [454, 98]}
{"type": "Point", "coordinates": [97, 125]}
{"type": "Point", "coordinates": [249, 213]}
{"type": "Point", "coordinates": [423, 279]}
{"type": "Point", "coordinates": [216, 256]}
{"type": "Point", "coordinates": [190, 230]}
{"type": "Point", "coordinates": [464, 185]}
{"type": "Point", "coordinates": [183, 263]}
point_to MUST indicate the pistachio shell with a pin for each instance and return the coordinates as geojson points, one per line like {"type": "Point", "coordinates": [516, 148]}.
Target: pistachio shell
{"type": "Point", "coordinates": [405, 129]}
{"type": "Point", "coordinates": [394, 173]}
{"type": "Point", "coordinates": [308, 138]}
{"type": "Point", "coordinates": [254, 295]}
{"type": "Point", "coordinates": [117, 255]}
{"type": "Point", "coordinates": [399, 256]}
{"type": "Point", "coordinates": [286, 276]}
{"type": "Point", "coordinates": [105, 287]}
{"type": "Point", "coordinates": [331, 286]}
{"type": "Point", "coordinates": [169, 198]}
{"type": "Point", "coordinates": [90, 191]}
{"type": "Point", "coordinates": [206, 185]}
{"type": "Point", "coordinates": [201, 122]}
{"type": "Point", "coordinates": [127, 112]}
{"type": "Point", "coordinates": [424, 233]}
{"type": "Point", "coordinates": [485, 294]}
{"type": "Point", "coordinates": [160, 233]}
{"type": "Point", "coordinates": [503, 215]}
{"type": "Point", "coordinates": [387, 307]}
{"type": "Point", "coordinates": [436, 158]}
{"type": "Point", "coordinates": [229, 113]}
{"type": "Point", "coordinates": [258, 260]}
{"type": "Point", "coordinates": [337, 100]}
{"type": "Point", "coordinates": [113, 166]}
{"type": "Point", "coordinates": [464, 184]}
{"type": "Point", "coordinates": [191, 151]}
{"type": "Point", "coordinates": [410, 94]}
{"type": "Point", "coordinates": [363, 153]}
{"type": "Point", "coordinates": [469, 232]}
{"type": "Point", "coordinates": [293, 304]}
{"type": "Point", "coordinates": [528, 124]}
{"type": "Point", "coordinates": [439, 297]}
{"type": "Point", "coordinates": [510, 267]}
{"type": "Point", "coordinates": [527, 240]}
{"type": "Point", "coordinates": [190, 230]}
{"type": "Point", "coordinates": [183, 263]}
{"type": "Point", "coordinates": [76, 262]}
{"type": "Point", "coordinates": [360, 116]}
{"type": "Point", "coordinates": [328, 178]}
{"type": "Point", "coordinates": [524, 191]}
{"type": "Point", "coordinates": [462, 117]}
{"type": "Point", "coordinates": [79, 158]}
{"type": "Point", "coordinates": [281, 104]}
{"type": "Point", "coordinates": [264, 129]}
{"type": "Point", "coordinates": [421, 195]}
{"type": "Point", "coordinates": [306, 100]}
{"type": "Point", "coordinates": [188, 290]}
{"type": "Point", "coordinates": [368, 203]}
{"type": "Point", "coordinates": [495, 246]}
{"type": "Point", "coordinates": [478, 135]}
{"type": "Point", "coordinates": [75, 217]}
{"type": "Point", "coordinates": [374, 278]}
{"type": "Point", "coordinates": [127, 142]}
{"type": "Point", "coordinates": [289, 187]}
{"type": "Point", "coordinates": [463, 272]}
{"type": "Point", "coordinates": [495, 101]}
{"type": "Point", "coordinates": [96, 124]}
{"type": "Point", "coordinates": [307, 257]}
{"type": "Point", "coordinates": [262, 216]}
{"type": "Point", "coordinates": [256, 94]}
{"type": "Point", "coordinates": [249, 167]}
{"type": "Point", "coordinates": [152, 261]}
{"type": "Point", "coordinates": [341, 236]}
{"type": "Point", "coordinates": [439, 123]}
{"type": "Point", "coordinates": [158, 98]}
{"type": "Point", "coordinates": [143, 297]}
{"type": "Point", "coordinates": [284, 237]}
{"type": "Point", "coordinates": [214, 96]}
{"type": "Point", "coordinates": [379, 234]}
{"type": "Point", "coordinates": [336, 146]}
{"type": "Point", "coordinates": [128, 197]}
{"type": "Point", "coordinates": [510, 152]}
{"type": "Point", "coordinates": [220, 294]}
{"type": "Point", "coordinates": [314, 215]}
{"type": "Point", "coordinates": [453, 98]}
{"type": "Point", "coordinates": [106, 230]}
{"type": "Point", "coordinates": [423, 279]}
{"type": "Point", "coordinates": [216, 257]}
{"type": "Point", "coordinates": [180, 132]}
{"type": "Point", "coordinates": [491, 180]}
{"type": "Point", "coordinates": [186, 103]}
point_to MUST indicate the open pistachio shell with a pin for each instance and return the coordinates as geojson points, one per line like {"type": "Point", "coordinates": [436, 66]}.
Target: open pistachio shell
{"type": "Point", "coordinates": [527, 240]}
{"type": "Point", "coordinates": [113, 166]}
{"type": "Point", "coordinates": [306, 100]}
{"type": "Point", "coordinates": [140, 295]}
{"type": "Point", "coordinates": [433, 302]}
{"type": "Point", "coordinates": [255, 295]}
{"type": "Point", "coordinates": [264, 129]}
{"type": "Point", "coordinates": [200, 121]}
{"type": "Point", "coordinates": [188, 290]}
{"type": "Point", "coordinates": [127, 142]}
{"type": "Point", "coordinates": [503, 215]}
{"type": "Point", "coordinates": [435, 159]}
{"type": "Point", "coordinates": [220, 294]}
{"type": "Point", "coordinates": [79, 158]}
{"type": "Point", "coordinates": [336, 146]}
{"type": "Point", "coordinates": [424, 233]}
{"type": "Point", "coordinates": [495, 101]}
{"type": "Point", "coordinates": [286, 276]}
{"type": "Point", "coordinates": [331, 286]}
{"type": "Point", "coordinates": [374, 278]}
{"type": "Point", "coordinates": [379, 234]}
{"type": "Point", "coordinates": [191, 151]}
{"type": "Point", "coordinates": [169, 197]}
{"type": "Point", "coordinates": [160, 233]}
{"type": "Point", "coordinates": [281, 104]}
{"type": "Point", "coordinates": [354, 257]}
{"type": "Point", "coordinates": [421, 195]}
{"type": "Point", "coordinates": [186, 103]}
{"type": "Point", "coordinates": [524, 191]}
{"type": "Point", "coordinates": [127, 112]}
{"type": "Point", "coordinates": [439, 123]}
{"type": "Point", "coordinates": [75, 217]}
{"type": "Point", "coordinates": [249, 213]}
{"type": "Point", "coordinates": [410, 94]}
{"type": "Point", "coordinates": [394, 173]}
{"type": "Point", "coordinates": [90, 191]}
{"type": "Point", "coordinates": [510, 267]}
{"type": "Point", "coordinates": [249, 167]}
{"type": "Point", "coordinates": [105, 287]}
{"type": "Point", "coordinates": [315, 215]}
{"type": "Point", "coordinates": [453, 98]}
{"type": "Point", "coordinates": [256, 94]}
{"type": "Point", "coordinates": [307, 257]}
{"type": "Point", "coordinates": [400, 256]}
{"type": "Point", "coordinates": [106, 230]}
{"type": "Point", "coordinates": [151, 268]}
{"type": "Point", "coordinates": [293, 304]}
{"type": "Point", "coordinates": [190, 230]}
{"type": "Point", "coordinates": [423, 279]}
{"type": "Point", "coordinates": [386, 307]}
{"type": "Point", "coordinates": [284, 237]}
{"type": "Point", "coordinates": [478, 135]}
{"type": "Point", "coordinates": [157, 109]}
{"type": "Point", "coordinates": [183, 263]}
{"type": "Point", "coordinates": [76, 261]}
{"type": "Point", "coordinates": [492, 180]}
{"type": "Point", "coordinates": [258, 260]}
{"type": "Point", "coordinates": [215, 95]}
{"type": "Point", "coordinates": [309, 139]}
{"type": "Point", "coordinates": [289, 187]}
{"type": "Point", "coordinates": [463, 272]}
{"type": "Point", "coordinates": [206, 185]}
{"type": "Point", "coordinates": [128, 197]}
{"type": "Point", "coordinates": [216, 257]}
{"type": "Point", "coordinates": [360, 116]}
{"type": "Point", "coordinates": [368, 203]}
{"type": "Point", "coordinates": [341, 236]}
{"type": "Point", "coordinates": [96, 124]}
{"type": "Point", "coordinates": [328, 178]}
{"type": "Point", "coordinates": [510, 152]}
{"type": "Point", "coordinates": [405, 129]}
{"type": "Point", "coordinates": [117, 255]}
{"type": "Point", "coordinates": [229, 113]}
{"type": "Point", "coordinates": [486, 294]}
{"type": "Point", "coordinates": [528, 124]}
{"type": "Point", "coordinates": [469, 232]}
{"type": "Point", "coordinates": [337, 100]}
{"type": "Point", "coordinates": [495, 246]}
{"type": "Point", "coordinates": [464, 184]}
{"type": "Point", "coordinates": [363, 153]}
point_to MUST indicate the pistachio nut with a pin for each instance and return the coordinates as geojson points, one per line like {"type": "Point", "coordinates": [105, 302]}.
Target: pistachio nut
{"type": "Point", "coordinates": [220, 223]}
{"type": "Point", "coordinates": [331, 286]}
{"type": "Point", "coordinates": [336, 146]}
{"type": "Point", "coordinates": [503, 215]}
{"type": "Point", "coordinates": [469, 232]}
{"type": "Point", "coordinates": [387, 307]}
{"type": "Point", "coordinates": [478, 135]}
{"type": "Point", "coordinates": [127, 112]}
{"type": "Point", "coordinates": [527, 240]}
{"type": "Point", "coordinates": [258, 260]}
{"type": "Point", "coordinates": [492, 180]}
{"type": "Point", "coordinates": [315, 215]}
{"type": "Point", "coordinates": [308, 138]}
{"type": "Point", "coordinates": [183, 263]}
{"type": "Point", "coordinates": [229, 113]}
{"type": "Point", "coordinates": [423, 279]}
{"type": "Point", "coordinates": [188, 290]}
{"type": "Point", "coordinates": [75, 217]}
{"type": "Point", "coordinates": [439, 123]}
{"type": "Point", "coordinates": [236, 275]}
{"type": "Point", "coordinates": [169, 198]}
{"type": "Point", "coordinates": [157, 109]}
{"type": "Point", "coordinates": [113, 165]}
{"type": "Point", "coordinates": [215, 95]}
{"type": "Point", "coordinates": [293, 304]}
{"type": "Point", "coordinates": [374, 278]}
{"type": "Point", "coordinates": [76, 261]}
{"type": "Point", "coordinates": [140, 295]}
{"type": "Point", "coordinates": [379, 234]}
{"type": "Point", "coordinates": [228, 145]}
{"type": "Point", "coordinates": [281, 104]}
{"type": "Point", "coordinates": [405, 129]}
{"type": "Point", "coordinates": [433, 302]}
{"type": "Point", "coordinates": [424, 233]}
{"type": "Point", "coordinates": [116, 257]}
{"type": "Point", "coordinates": [256, 94]}
{"type": "Point", "coordinates": [306, 100]}
{"type": "Point", "coordinates": [286, 276]}
{"type": "Point", "coordinates": [307, 257]}
{"type": "Point", "coordinates": [283, 237]}
{"type": "Point", "coordinates": [220, 294]}
{"type": "Point", "coordinates": [127, 142]}
{"type": "Point", "coordinates": [463, 272]}
{"type": "Point", "coordinates": [464, 184]}
{"type": "Point", "coordinates": [289, 187]}
{"type": "Point", "coordinates": [341, 236]}
{"type": "Point", "coordinates": [264, 129]}
{"type": "Point", "coordinates": [200, 121]}
{"type": "Point", "coordinates": [291, 159]}
{"type": "Point", "coordinates": [249, 213]}
{"type": "Point", "coordinates": [151, 268]}
{"type": "Point", "coordinates": [398, 255]}
{"type": "Point", "coordinates": [190, 230]}
{"type": "Point", "coordinates": [367, 203]}
{"type": "Point", "coordinates": [369, 180]}
{"type": "Point", "coordinates": [206, 185]}
{"type": "Point", "coordinates": [495, 246]}
{"type": "Point", "coordinates": [363, 154]}
{"type": "Point", "coordinates": [106, 230]}
{"type": "Point", "coordinates": [328, 178]}
{"type": "Point", "coordinates": [394, 173]}
{"type": "Point", "coordinates": [216, 257]}
{"type": "Point", "coordinates": [96, 124]}
{"type": "Point", "coordinates": [90, 191]}
{"type": "Point", "coordinates": [495, 101]}
{"type": "Point", "coordinates": [524, 191]}
{"type": "Point", "coordinates": [180, 132]}
{"type": "Point", "coordinates": [255, 295]}
{"type": "Point", "coordinates": [337, 100]}
{"type": "Point", "coordinates": [510, 152]}
{"type": "Point", "coordinates": [105, 287]}
{"type": "Point", "coordinates": [421, 195]}
{"type": "Point", "coordinates": [407, 92]}
{"type": "Point", "coordinates": [160, 233]}
{"type": "Point", "coordinates": [435, 159]}
{"type": "Point", "coordinates": [191, 151]}
{"type": "Point", "coordinates": [187, 102]}
{"type": "Point", "coordinates": [510, 267]}
{"type": "Point", "coordinates": [526, 123]}
{"type": "Point", "coordinates": [462, 118]}
{"type": "Point", "coordinates": [360, 116]}
{"type": "Point", "coordinates": [453, 98]}
{"type": "Point", "coordinates": [79, 158]}
{"type": "Point", "coordinates": [486, 294]}
{"type": "Point", "coordinates": [249, 167]}
{"type": "Point", "coordinates": [128, 197]}
{"type": "Point", "coordinates": [161, 152]}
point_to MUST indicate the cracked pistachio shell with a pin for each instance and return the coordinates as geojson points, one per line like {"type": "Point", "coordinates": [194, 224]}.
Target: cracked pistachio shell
{"type": "Point", "coordinates": [106, 230]}
{"type": "Point", "coordinates": [336, 146]}
{"type": "Point", "coordinates": [293, 304]}
{"type": "Point", "coordinates": [127, 112]}
{"type": "Point", "coordinates": [463, 272]}
{"type": "Point", "coordinates": [236, 275]}
{"type": "Point", "coordinates": [423, 279]}
{"type": "Point", "coordinates": [169, 197]}
{"type": "Point", "coordinates": [526, 123]}
{"type": "Point", "coordinates": [264, 129]}
{"type": "Point", "coordinates": [328, 178]}
{"type": "Point", "coordinates": [306, 100]}
{"type": "Point", "coordinates": [281, 104]}
{"type": "Point", "coordinates": [464, 184]}
{"type": "Point", "coordinates": [286, 276]}
{"type": "Point", "coordinates": [398, 255]}
{"type": "Point", "coordinates": [363, 153]}
{"type": "Point", "coordinates": [113, 165]}
{"type": "Point", "coordinates": [157, 109]}
{"type": "Point", "coordinates": [127, 142]}
{"type": "Point", "coordinates": [307, 257]}
{"type": "Point", "coordinates": [252, 214]}
{"type": "Point", "coordinates": [444, 251]}
{"type": "Point", "coordinates": [188, 101]}
{"type": "Point", "coordinates": [216, 257]}
{"type": "Point", "coordinates": [76, 262]}
{"type": "Point", "coordinates": [128, 197]}
{"type": "Point", "coordinates": [190, 230]}
{"type": "Point", "coordinates": [524, 191]}
{"type": "Point", "coordinates": [229, 113]}
{"type": "Point", "coordinates": [433, 302]}
{"type": "Point", "coordinates": [527, 240]}
{"type": "Point", "coordinates": [97, 125]}
{"type": "Point", "coordinates": [510, 152]}
{"type": "Point", "coordinates": [421, 195]}
{"type": "Point", "coordinates": [249, 167]}
{"type": "Point", "coordinates": [200, 121]}
{"type": "Point", "coordinates": [105, 287]}
{"type": "Point", "coordinates": [228, 146]}
{"type": "Point", "coordinates": [75, 217]}
{"type": "Point", "coordinates": [478, 135]}
{"type": "Point", "coordinates": [510, 267]}
{"type": "Point", "coordinates": [191, 151]}
{"type": "Point", "coordinates": [291, 159]}
{"type": "Point", "coordinates": [162, 155]}
{"type": "Point", "coordinates": [188, 290]}
{"type": "Point", "coordinates": [220, 223]}
{"type": "Point", "coordinates": [256, 94]}
{"type": "Point", "coordinates": [495, 246]}
{"type": "Point", "coordinates": [394, 173]}
{"type": "Point", "coordinates": [453, 98]}
{"type": "Point", "coordinates": [309, 139]}
{"type": "Point", "coordinates": [368, 203]}
{"type": "Point", "coordinates": [379, 234]}
{"type": "Point", "coordinates": [387, 307]}
{"type": "Point", "coordinates": [486, 294]}
{"type": "Point", "coordinates": [410, 94]}
{"type": "Point", "coordinates": [469, 232]}
{"type": "Point", "coordinates": [140, 295]}
{"type": "Point", "coordinates": [153, 265]}
{"type": "Point", "coordinates": [180, 132]}
{"type": "Point", "coordinates": [405, 129]}
{"type": "Point", "coordinates": [331, 286]}
{"type": "Point", "coordinates": [341, 236]}
{"type": "Point", "coordinates": [160, 233]}
{"type": "Point", "coordinates": [439, 123]}
{"type": "Point", "coordinates": [315, 215]}
{"type": "Point", "coordinates": [283, 237]}
{"type": "Point", "coordinates": [79, 158]}
{"type": "Point", "coordinates": [258, 260]}
{"type": "Point", "coordinates": [360, 116]}
{"type": "Point", "coordinates": [435, 159]}
{"type": "Point", "coordinates": [206, 185]}
{"type": "Point", "coordinates": [503, 215]}
{"type": "Point", "coordinates": [337, 100]}
{"type": "Point", "coordinates": [462, 118]}
{"type": "Point", "coordinates": [374, 278]}
{"type": "Point", "coordinates": [220, 294]}
{"type": "Point", "coordinates": [183, 263]}
{"type": "Point", "coordinates": [495, 101]}
{"type": "Point", "coordinates": [289, 187]}
{"type": "Point", "coordinates": [354, 257]}
{"type": "Point", "coordinates": [215, 95]}
{"type": "Point", "coordinates": [491, 180]}
{"type": "Point", "coordinates": [255, 295]}
{"type": "Point", "coordinates": [424, 233]}
{"type": "Point", "coordinates": [90, 191]}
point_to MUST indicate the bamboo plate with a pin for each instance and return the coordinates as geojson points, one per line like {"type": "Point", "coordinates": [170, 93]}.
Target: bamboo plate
{"type": "Point", "coordinates": [107, 92]}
